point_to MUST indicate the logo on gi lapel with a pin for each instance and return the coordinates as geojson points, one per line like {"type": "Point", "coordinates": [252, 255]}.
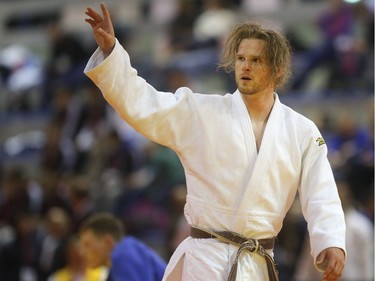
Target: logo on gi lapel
{"type": "Point", "coordinates": [320, 141]}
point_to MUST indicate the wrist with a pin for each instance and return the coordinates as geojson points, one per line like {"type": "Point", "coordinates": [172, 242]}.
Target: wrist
{"type": "Point", "coordinates": [107, 51]}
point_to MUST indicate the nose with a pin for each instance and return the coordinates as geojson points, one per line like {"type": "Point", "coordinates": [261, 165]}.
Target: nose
{"type": "Point", "coordinates": [246, 65]}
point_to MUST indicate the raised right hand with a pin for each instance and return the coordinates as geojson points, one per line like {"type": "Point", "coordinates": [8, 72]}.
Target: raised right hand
{"type": "Point", "coordinates": [102, 28]}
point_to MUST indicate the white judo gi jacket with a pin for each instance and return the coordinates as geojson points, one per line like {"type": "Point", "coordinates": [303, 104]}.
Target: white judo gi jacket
{"type": "Point", "coordinates": [231, 186]}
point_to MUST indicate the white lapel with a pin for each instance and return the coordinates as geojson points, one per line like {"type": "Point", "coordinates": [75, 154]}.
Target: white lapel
{"type": "Point", "coordinates": [258, 161]}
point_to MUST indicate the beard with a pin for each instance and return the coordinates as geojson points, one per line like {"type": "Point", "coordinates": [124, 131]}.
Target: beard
{"type": "Point", "coordinates": [249, 88]}
{"type": "Point", "coordinates": [248, 91]}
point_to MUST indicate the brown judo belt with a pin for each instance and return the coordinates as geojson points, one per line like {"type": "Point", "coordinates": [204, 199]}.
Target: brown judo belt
{"type": "Point", "coordinates": [252, 245]}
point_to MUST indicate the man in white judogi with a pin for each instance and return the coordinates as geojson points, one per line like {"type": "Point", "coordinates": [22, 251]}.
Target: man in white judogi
{"type": "Point", "coordinates": [245, 156]}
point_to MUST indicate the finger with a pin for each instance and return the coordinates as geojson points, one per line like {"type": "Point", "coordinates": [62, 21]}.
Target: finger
{"type": "Point", "coordinates": [106, 16]}
{"type": "Point", "coordinates": [105, 12]}
{"type": "Point", "coordinates": [330, 267]}
{"type": "Point", "coordinates": [91, 22]}
{"type": "Point", "coordinates": [337, 270]}
{"type": "Point", "coordinates": [333, 273]}
{"type": "Point", "coordinates": [329, 271]}
{"type": "Point", "coordinates": [94, 15]}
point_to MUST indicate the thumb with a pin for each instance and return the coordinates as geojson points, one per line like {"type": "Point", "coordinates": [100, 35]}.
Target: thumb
{"type": "Point", "coordinates": [320, 259]}
{"type": "Point", "coordinates": [102, 32]}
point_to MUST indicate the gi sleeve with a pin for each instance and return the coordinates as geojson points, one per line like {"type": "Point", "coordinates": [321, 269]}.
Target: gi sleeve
{"type": "Point", "coordinates": [163, 117]}
{"type": "Point", "coordinates": [321, 205]}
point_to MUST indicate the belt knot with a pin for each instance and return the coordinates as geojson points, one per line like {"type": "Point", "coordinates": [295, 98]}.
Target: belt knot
{"type": "Point", "coordinates": [251, 245]}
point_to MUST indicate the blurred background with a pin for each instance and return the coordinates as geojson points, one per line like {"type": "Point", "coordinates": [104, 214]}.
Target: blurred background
{"type": "Point", "coordinates": [65, 154]}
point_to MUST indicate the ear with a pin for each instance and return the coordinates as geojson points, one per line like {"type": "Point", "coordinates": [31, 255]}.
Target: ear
{"type": "Point", "coordinates": [278, 74]}
{"type": "Point", "coordinates": [109, 241]}
{"type": "Point", "coordinates": [278, 77]}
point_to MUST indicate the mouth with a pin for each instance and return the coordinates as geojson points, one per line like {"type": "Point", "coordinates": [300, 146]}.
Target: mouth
{"type": "Point", "coordinates": [245, 78]}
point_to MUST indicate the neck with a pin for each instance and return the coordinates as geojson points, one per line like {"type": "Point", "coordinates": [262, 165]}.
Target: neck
{"type": "Point", "coordinates": [259, 106]}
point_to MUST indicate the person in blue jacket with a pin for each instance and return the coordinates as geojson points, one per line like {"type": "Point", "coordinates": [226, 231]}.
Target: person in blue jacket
{"type": "Point", "coordinates": [103, 243]}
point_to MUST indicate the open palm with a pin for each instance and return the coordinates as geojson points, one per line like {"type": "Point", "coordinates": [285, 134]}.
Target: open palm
{"type": "Point", "coordinates": [102, 28]}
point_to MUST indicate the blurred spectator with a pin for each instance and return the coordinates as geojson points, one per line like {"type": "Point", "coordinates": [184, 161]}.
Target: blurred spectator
{"type": "Point", "coordinates": [342, 48]}
{"type": "Point", "coordinates": [19, 255]}
{"type": "Point", "coordinates": [109, 152]}
{"type": "Point", "coordinates": [57, 228]}
{"type": "Point", "coordinates": [180, 29]}
{"type": "Point", "coordinates": [81, 204]}
{"type": "Point", "coordinates": [290, 241]}
{"type": "Point", "coordinates": [110, 163]}
{"type": "Point", "coordinates": [214, 22]}
{"type": "Point", "coordinates": [355, 61]}
{"type": "Point", "coordinates": [78, 121]}
{"type": "Point", "coordinates": [349, 139]}
{"type": "Point", "coordinates": [14, 196]}
{"type": "Point", "coordinates": [61, 104]}
{"type": "Point", "coordinates": [262, 7]}
{"type": "Point", "coordinates": [144, 218]}
{"type": "Point", "coordinates": [75, 268]}
{"type": "Point", "coordinates": [54, 191]}
{"type": "Point", "coordinates": [92, 125]}
{"type": "Point", "coordinates": [143, 203]}
{"type": "Point", "coordinates": [361, 181]}
{"type": "Point", "coordinates": [166, 170]}
{"type": "Point", "coordinates": [104, 243]}
{"type": "Point", "coordinates": [22, 76]}
{"type": "Point", "coordinates": [66, 61]}
{"type": "Point", "coordinates": [352, 151]}
{"type": "Point", "coordinates": [161, 12]}
{"type": "Point", "coordinates": [51, 154]}
{"type": "Point", "coordinates": [174, 78]}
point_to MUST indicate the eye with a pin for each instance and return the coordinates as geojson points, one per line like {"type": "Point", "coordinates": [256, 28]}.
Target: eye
{"type": "Point", "coordinates": [256, 60]}
{"type": "Point", "coordinates": [240, 58]}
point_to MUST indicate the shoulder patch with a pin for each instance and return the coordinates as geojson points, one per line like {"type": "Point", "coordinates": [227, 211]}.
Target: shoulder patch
{"type": "Point", "coordinates": [320, 141]}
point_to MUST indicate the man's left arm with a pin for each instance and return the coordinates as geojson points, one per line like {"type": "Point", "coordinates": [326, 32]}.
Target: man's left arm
{"type": "Point", "coordinates": [321, 207]}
